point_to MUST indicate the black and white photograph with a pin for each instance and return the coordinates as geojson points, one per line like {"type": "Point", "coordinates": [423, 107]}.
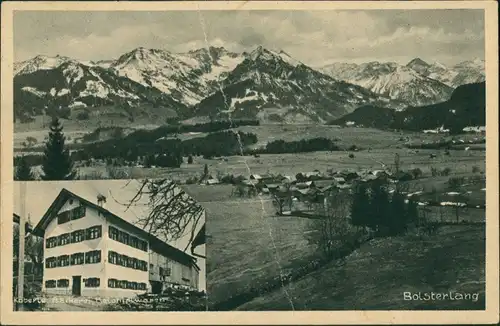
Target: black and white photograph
{"type": "Point", "coordinates": [110, 245]}
{"type": "Point", "coordinates": [257, 156]}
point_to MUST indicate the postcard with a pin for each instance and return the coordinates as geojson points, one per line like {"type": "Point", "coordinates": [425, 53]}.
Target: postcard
{"type": "Point", "coordinates": [249, 162]}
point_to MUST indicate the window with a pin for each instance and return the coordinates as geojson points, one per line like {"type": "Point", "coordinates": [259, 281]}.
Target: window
{"type": "Point", "coordinates": [143, 245]}
{"type": "Point", "coordinates": [93, 257]}
{"type": "Point", "coordinates": [50, 283]}
{"type": "Point", "coordinates": [130, 262]}
{"type": "Point", "coordinates": [113, 257]}
{"type": "Point", "coordinates": [142, 286]}
{"type": "Point", "coordinates": [50, 262]}
{"type": "Point", "coordinates": [77, 213]}
{"type": "Point", "coordinates": [135, 263]}
{"type": "Point", "coordinates": [113, 283]}
{"type": "Point", "coordinates": [77, 259]}
{"type": "Point", "coordinates": [51, 242]}
{"type": "Point", "coordinates": [77, 236]}
{"type": "Point", "coordinates": [121, 236]}
{"type": "Point", "coordinates": [165, 271]}
{"type": "Point", "coordinates": [93, 282]}
{"type": "Point", "coordinates": [113, 233]}
{"type": "Point", "coordinates": [133, 242]}
{"type": "Point", "coordinates": [123, 260]}
{"type": "Point", "coordinates": [143, 266]}
{"type": "Point", "coordinates": [127, 239]}
{"type": "Point", "coordinates": [63, 261]}
{"type": "Point", "coordinates": [123, 284]}
{"type": "Point", "coordinates": [135, 286]}
{"type": "Point", "coordinates": [64, 239]}
{"type": "Point", "coordinates": [150, 266]}
{"type": "Point", "coordinates": [63, 217]}
{"type": "Point", "coordinates": [94, 232]}
{"type": "Point", "coordinates": [62, 283]}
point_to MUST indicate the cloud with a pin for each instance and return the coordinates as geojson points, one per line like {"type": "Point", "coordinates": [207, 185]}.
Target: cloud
{"type": "Point", "coordinates": [310, 36]}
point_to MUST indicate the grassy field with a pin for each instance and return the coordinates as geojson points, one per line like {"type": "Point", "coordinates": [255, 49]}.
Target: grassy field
{"type": "Point", "coordinates": [375, 276]}
{"type": "Point", "coordinates": [247, 243]}
{"type": "Point", "coordinates": [461, 162]}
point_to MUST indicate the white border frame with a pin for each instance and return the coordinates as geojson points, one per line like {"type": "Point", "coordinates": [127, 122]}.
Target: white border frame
{"type": "Point", "coordinates": [490, 315]}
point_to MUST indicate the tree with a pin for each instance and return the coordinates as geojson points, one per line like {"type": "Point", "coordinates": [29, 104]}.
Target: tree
{"type": "Point", "coordinates": [281, 197]}
{"type": "Point", "coordinates": [239, 190]}
{"type": "Point", "coordinates": [31, 141]}
{"type": "Point", "coordinates": [397, 162]}
{"type": "Point", "coordinates": [332, 232]}
{"type": "Point", "coordinates": [396, 220]}
{"type": "Point", "coordinates": [417, 173]}
{"type": "Point", "coordinates": [57, 164]}
{"type": "Point", "coordinates": [360, 206]}
{"type": "Point", "coordinates": [23, 170]}
{"type": "Point", "coordinates": [205, 170]}
{"type": "Point", "coordinates": [379, 206]}
{"type": "Point", "coordinates": [412, 215]}
{"type": "Point", "coordinates": [173, 214]}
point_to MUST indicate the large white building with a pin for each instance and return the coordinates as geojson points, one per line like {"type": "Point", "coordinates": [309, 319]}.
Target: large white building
{"type": "Point", "coordinates": [90, 251]}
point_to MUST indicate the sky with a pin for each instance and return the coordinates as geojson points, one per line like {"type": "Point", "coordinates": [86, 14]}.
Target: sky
{"type": "Point", "coordinates": [316, 38]}
{"type": "Point", "coordinates": [39, 196]}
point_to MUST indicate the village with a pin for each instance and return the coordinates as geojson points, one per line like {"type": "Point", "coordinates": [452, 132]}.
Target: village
{"type": "Point", "coordinates": [304, 193]}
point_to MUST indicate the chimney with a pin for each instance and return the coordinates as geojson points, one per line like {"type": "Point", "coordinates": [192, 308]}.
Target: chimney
{"type": "Point", "coordinates": [101, 200]}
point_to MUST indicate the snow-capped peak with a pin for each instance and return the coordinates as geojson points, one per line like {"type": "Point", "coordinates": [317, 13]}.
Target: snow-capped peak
{"type": "Point", "coordinates": [417, 62]}
{"type": "Point", "coordinates": [40, 62]}
{"type": "Point", "coordinates": [261, 53]}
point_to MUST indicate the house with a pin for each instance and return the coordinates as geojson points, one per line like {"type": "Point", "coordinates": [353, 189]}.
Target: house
{"type": "Point", "coordinates": [402, 176]}
{"type": "Point", "coordinates": [305, 185]}
{"type": "Point", "coordinates": [212, 181]}
{"type": "Point", "coordinates": [264, 178]}
{"type": "Point", "coordinates": [90, 251]}
{"type": "Point", "coordinates": [255, 177]}
{"type": "Point", "coordinates": [339, 180]}
{"type": "Point", "coordinates": [272, 186]}
{"type": "Point", "coordinates": [199, 240]}
{"type": "Point", "coordinates": [313, 174]}
{"type": "Point", "coordinates": [348, 175]}
{"type": "Point", "coordinates": [324, 184]}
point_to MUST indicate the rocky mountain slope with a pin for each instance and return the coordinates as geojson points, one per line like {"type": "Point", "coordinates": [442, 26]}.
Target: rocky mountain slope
{"type": "Point", "coordinates": [467, 72]}
{"type": "Point", "coordinates": [187, 77]}
{"type": "Point", "coordinates": [48, 85]}
{"type": "Point", "coordinates": [392, 80]}
{"type": "Point", "coordinates": [273, 86]}
{"type": "Point", "coordinates": [214, 82]}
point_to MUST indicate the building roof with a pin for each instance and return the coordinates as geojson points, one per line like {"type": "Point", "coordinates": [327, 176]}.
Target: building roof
{"type": "Point", "coordinates": [155, 243]}
{"type": "Point", "coordinates": [200, 238]}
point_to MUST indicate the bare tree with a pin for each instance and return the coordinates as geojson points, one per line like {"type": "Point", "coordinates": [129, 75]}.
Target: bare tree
{"type": "Point", "coordinates": [397, 163]}
{"type": "Point", "coordinates": [172, 215]}
{"type": "Point", "coordinates": [33, 248]}
{"type": "Point", "coordinates": [332, 231]}
{"type": "Point", "coordinates": [282, 197]}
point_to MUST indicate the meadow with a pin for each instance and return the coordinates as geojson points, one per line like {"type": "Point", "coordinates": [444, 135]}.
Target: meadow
{"type": "Point", "coordinates": [375, 276]}
{"type": "Point", "coordinates": [461, 162]}
{"type": "Point", "coordinates": [249, 246]}
{"type": "Point", "coordinates": [247, 243]}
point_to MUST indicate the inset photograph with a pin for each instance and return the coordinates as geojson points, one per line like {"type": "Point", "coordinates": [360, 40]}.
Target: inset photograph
{"type": "Point", "coordinates": [135, 245]}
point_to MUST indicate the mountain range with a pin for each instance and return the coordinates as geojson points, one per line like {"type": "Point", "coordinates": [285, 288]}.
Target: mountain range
{"type": "Point", "coordinates": [417, 83]}
{"type": "Point", "coordinates": [214, 82]}
{"type": "Point", "coordinates": [465, 108]}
